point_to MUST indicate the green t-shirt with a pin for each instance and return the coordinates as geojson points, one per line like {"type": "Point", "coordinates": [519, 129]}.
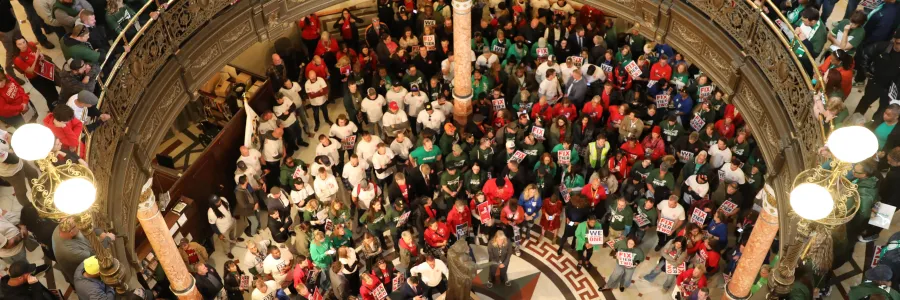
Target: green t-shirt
{"type": "Point", "coordinates": [452, 181]}
{"type": "Point", "coordinates": [619, 219]}
{"type": "Point", "coordinates": [423, 156]}
{"type": "Point", "coordinates": [854, 39]}
{"type": "Point", "coordinates": [658, 180]}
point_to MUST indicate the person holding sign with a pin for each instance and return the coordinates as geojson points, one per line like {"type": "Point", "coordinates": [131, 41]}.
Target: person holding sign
{"type": "Point", "coordinates": [628, 256]}
{"type": "Point", "coordinates": [581, 238]}
{"type": "Point", "coordinates": [673, 254]}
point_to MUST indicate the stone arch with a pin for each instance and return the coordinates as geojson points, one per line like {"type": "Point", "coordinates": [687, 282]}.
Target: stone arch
{"type": "Point", "coordinates": [729, 39]}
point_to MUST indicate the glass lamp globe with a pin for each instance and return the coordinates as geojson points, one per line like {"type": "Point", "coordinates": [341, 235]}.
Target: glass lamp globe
{"type": "Point", "coordinates": [74, 196]}
{"type": "Point", "coordinates": [811, 201]}
{"type": "Point", "coordinates": [852, 144]}
{"type": "Point", "coordinates": [33, 141]}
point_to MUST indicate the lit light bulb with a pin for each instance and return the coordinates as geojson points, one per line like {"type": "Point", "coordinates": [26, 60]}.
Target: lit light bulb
{"type": "Point", "coordinates": [811, 201]}
{"type": "Point", "coordinates": [852, 144]}
{"type": "Point", "coordinates": [74, 196]}
{"type": "Point", "coordinates": [32, 141]}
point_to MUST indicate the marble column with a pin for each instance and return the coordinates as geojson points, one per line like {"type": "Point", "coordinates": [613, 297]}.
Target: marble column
{"type": "Point", "coordinates": [462, 66]}
{"type": "Point", "coordinates": [764, 232]}
{"type": "Point", "coordinates": [181, 282]}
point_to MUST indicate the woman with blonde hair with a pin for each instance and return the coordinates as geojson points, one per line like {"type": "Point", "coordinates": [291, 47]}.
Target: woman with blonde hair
{"type": "Point", "coordinates": [499, 252]}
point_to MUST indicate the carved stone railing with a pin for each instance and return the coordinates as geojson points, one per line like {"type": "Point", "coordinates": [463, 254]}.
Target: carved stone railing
{"type": "Point", "coordinates": [731, 41]}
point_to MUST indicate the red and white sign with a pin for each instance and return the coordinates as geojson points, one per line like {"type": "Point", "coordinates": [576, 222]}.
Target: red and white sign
{"type": "Point", "coordinates": [349, 142]}
{"type": "Point", "coordinates": [380, 293]}
{"type": "Point", "coordinates": [665, 226]}
{"type": "Point", "coordinates": [877, 256]}
{"type": "Point", "coordinates": [662, 100]}
{"type": "Point", "coordinates": [565, 156]}
{"type": "Point", "coordinates": [626, 259]}
{"type": "Point", "coordinates": [633, 70]}
{"type": "Point", "coordinates": [698, 216]}
{"type": "Point", "coordinates": [499, 103]}
{"type": "Point", "coordinates": [537, 132]}
{"type": "Point", "coordinates": [595, 236]}
{"type": "Point", "coordinates": [706, 91]}
{"type": "Point", "coordinates": [484, 211]}
{"type": "Point", "coordinates": [697, 123]}
{"type": "Point", "coordinates": [728, 207]}
{"type": "Point", "coordinates": [398, 281]}
{"type": "Point", "coordinates": [673, 270]}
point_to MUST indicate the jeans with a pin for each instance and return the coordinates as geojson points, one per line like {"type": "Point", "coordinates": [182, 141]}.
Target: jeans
{"type": "Point", "coordinates": [324, 109]}
{"type": "Point", "coordinates": [493, 274]}
{"type": "Point", "coordinates": [620, 277]}
{"type": "Point", "coordinates": [20, 180]}
{"type": "Point", "coordinates": [35, 20]}
{"type": "Point", "coordinates": [660, 268]}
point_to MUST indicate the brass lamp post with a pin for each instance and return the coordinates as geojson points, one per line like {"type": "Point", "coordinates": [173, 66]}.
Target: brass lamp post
{"type": "Point", "coordinates": [65, 191]}
{"type": "Point", "coordinates": [822, 199]}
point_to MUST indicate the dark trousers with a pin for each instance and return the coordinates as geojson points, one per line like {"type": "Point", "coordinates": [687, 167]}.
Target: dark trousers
{"type": "Point", "coordinates": [494, 270]}
{"type": "Point", "coordinates": [874, 91]}
{"type": "Point", "coordinates": [324, 109]}
{"type": "Point", "coordinates": [439, 289]}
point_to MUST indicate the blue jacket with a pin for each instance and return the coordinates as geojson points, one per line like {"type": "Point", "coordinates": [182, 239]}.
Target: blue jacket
{"type": "Point", "coordinates": [531, 206]}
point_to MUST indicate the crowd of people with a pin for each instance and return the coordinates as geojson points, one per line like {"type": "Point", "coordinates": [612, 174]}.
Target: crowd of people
{"type": "Point", "coordinates": [582, 134]}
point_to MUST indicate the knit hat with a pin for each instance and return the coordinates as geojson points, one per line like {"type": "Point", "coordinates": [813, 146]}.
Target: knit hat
{"type": "Point", "coordinates": [879, 273]}
{"type": "Point", "coordinates": [449, 127]}
{"type": "Point", "coordinates": [87, 97]}
{"type": "Point", "coordinates": [657, 130]}
{"type": "Point", "coordinates": [393, 106]}
{"type": "Point", "coordinates": [91, 265]}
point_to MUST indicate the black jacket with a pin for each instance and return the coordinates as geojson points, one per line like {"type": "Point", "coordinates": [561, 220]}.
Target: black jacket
{"type": "Point", "coordinates": [206, 286]}
{"type": "Point", "coordinates": [876, 61]}
{"type": "Point", "coordinates": [35, 291]}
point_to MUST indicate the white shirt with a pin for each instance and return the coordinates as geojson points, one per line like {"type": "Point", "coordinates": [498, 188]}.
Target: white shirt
{"type": "Point", "coordinates": [299, 197]}
{"type": "Point", "coordinates": [331, 151]}
{"type": "Point", "coordinates": [273, 266]}
{"type": "Point", "coordinates": [327, 188]}
{"type": "Point", "coordinates": [283, 109]}
{"type": "Point", "coordinates": [699, 188]}
{"type": "Point", "coordinates": [252, 160]}
{"type": "Point", "coordinates": [549, 89]}
{"type": "Point", "coordinates": [674, 214]}
{"type": "Point", "coordinates": [293, 93]}
{"type": "Point", "coordinates": [365, 197]}
{"type": "Point", "coordinates": [446, 108]}
{"type": "Point", "coordinates": [400, 148]}
{"type": "Point", "coordinates": [415, 104]}
{"type": "Point", "coordinates": [433, 121]}
{"type": "Point", "coordinates": [717, 157]}
{"type": "Point", "coordinates": [391, 119]}
{"type": "Point", "coordinates": [273, 149]}
{"type": "Point", "coordinates": [8, 230]}
{"type": "Point", "coordinates": [732, 176]}
{"type": "Point", "coordinates": [379, 161]}
{"type": "Point", "coordinates": [373, 108]}
{"type": "Point", "coordinates": [365, 150]}
{"type": "Point", "coordinates": [223, 223]}
{"type": "Point", "coordinates": [342, 132]}
{"type": "Point", "coordinates": [591, 79]}
{"type": "Point", "coordinates": [315, 87]}
{"type": "Point", "coordinates": [357, 174]}
{"type": "Point", "coordinates": [431, 277]}
{"type": "Point", "coordinates": [541, 73]}
{"type": "Point", "coordinates": [393, 96]}
{"type": "Point", "coordinates": [566, 71]}
{"type": "Point", "coordinates": [271, 289]}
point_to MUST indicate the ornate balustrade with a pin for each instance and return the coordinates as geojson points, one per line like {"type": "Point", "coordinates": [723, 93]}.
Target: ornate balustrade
{"type": "Point", "coordinates": [737, 46]}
